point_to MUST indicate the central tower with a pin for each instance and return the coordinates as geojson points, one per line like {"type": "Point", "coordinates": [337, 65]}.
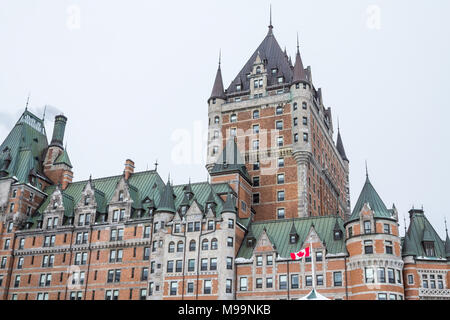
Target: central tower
{"type": "Point", "coordinates": [283, 132]}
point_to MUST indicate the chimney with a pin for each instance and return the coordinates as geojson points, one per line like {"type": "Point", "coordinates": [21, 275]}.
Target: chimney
{"type": "Point", "coordinates": [129, 168]}
{"type": "Point", "coordinates": [58, 131]}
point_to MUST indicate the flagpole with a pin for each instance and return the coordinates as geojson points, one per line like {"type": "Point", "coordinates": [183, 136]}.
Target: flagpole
{"type": "Point", "coordinates": [312, 264]}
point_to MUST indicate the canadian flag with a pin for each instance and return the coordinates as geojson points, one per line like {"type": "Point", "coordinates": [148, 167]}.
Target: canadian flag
{"type": "Point", "coordinates": [300, 254]}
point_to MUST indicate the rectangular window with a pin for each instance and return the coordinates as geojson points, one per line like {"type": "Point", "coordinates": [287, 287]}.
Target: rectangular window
{"type": "Point", "coordinates": [229, 287]}
{"type": "Point", "coordinates": [279, 125]}
{"type": "Point", "coordinates": [280, 162]}
{"type": "Point", "coordinates": [382, 296]}
{"type": "Point", "coordinates": [381, 275]}
{"type": "Point", "coordinates": [337, 279]}
{"type": "Point", "coordinates": [170, 266]}
{"type": "Point", "coordinates": [280, 141]}
{"type": "Point", "coordinates": [204, 264]}
{"type": "Point", "coordinates": [367, 227]}
{"type": "Point", "coordinates": [283, 282]}
{"type": "Point", "coordinates": [305, 136]}
{"type": "Point", "coordinates": [294, 281]}
{"type": "Point", "coordinates": [308, 281]}
{"type": "Point", "coordinates": [305, 121]}
{"type": "Point", "coordinates": [388, 247]}
{"type": "Point", "coordinates": [280, 178]}
{"type": "Point", "coordinates": [173, 288]}
{"type": "Point", "coordinates": [190, 287]}
{"type": "Point", "coordinates": [280, 195]}
{"type": "Point", "coordinates": [256, 181]}
{"type": "Point", "coordinates": [318, 256]}
{"type": "Point", "coordinates": [387, 228]}
{"type": "Point", "coordinates": [256, 198]}
{"type": "Point", "coordinates": [399, 277]}
{"type": "Point", "coordinates": [207, 287]}
{"type": "Point", "coordinates": [368, 248]}
{"type": "Point", "coordinates": [229, 263]}
{"type": "Point", "coordinates": [319, 280]}
{"type": "Point", "coordinates": [243, 284]}
{"type": "Point", "coordinates": [410, 279]}
{"type": "Point", "coordinates": [191, 265]}
{"type": "Point", "coordinates": [178, 266]}
{"type": "Point", "coordinates": [259, 260]}
{"type": "Point", "coordinates": [256, 128]}
{"type": "Point", "coordinates": [280, 213]}
{"type": "Point", "coordinates": [259, 283]}
{"type": "Point", "coordinates": [369, 276]}
{"type": "Point", "coordinates": [269, 283]}
{"type": "Point", "coordinates": [295, 121]}
{"type": "Point", "coordinates": [391, 275]}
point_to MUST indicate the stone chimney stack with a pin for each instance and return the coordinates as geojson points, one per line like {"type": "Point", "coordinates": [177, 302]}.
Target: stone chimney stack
{"type": "Point", "coordinates": [129, 168]}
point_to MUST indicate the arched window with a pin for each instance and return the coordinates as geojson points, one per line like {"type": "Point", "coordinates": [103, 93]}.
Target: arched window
{"type": "Point", "coordinates": [121, 195]}
{"type": "Point", "coordinates": [304, 106]}
{"type": "Point", "coordinates": [256, 114]}
{"type": "Point", "coordinates": [258, 69]}
{"type": "Point", "coordinates": [216, 119]}
{"type": "Point", "coordinates": [87, 200]}
{"type": "Point", "coordinates": [214, 244]}
{"type": "Point", "coordinates": [295, 105]}
{"type": "Point", "coordinates": [180, 246]}
{"type": "Point", "coordinates": [233, 118]}
{"type": "Point", "coordinates": [171, 246]}
{"type": "Point", "coordinates": [205, 244]}
{"type": "Point", "coordinates": [192, 245]}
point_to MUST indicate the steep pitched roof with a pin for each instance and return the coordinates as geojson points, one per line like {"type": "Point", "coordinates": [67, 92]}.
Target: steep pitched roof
{"type": "Point", "coordinates": [230, 160]}
{"type": "Point", "coordinates": [273, 56]}
{"type": "Point", "coordinates": [447, 247]}
{"type": "Point", "coordinates": [167, 202]}
{"type": "Point", "coordinates": [369, 195]}
{"type": "Point", "coordinates": [340, 146]}
{"type": "Point", "coordinates": [63, 158]}
{"type": "Point", "coordinates": [299, 73]}
{"type": "Point", "coordinates": [420, 230]}
{"type": "Point", "coordinates": [217, 90]}
{"type": "Point", "coordinates": [24, 147]}
{"type": "Point", "coordinates": [230, 204]}
{"type": "Point", "coordinates": [278, 231]}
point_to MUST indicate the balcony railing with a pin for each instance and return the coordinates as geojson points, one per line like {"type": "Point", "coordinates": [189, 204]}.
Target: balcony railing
{"type": "Point", "coordinates": [434, 293]}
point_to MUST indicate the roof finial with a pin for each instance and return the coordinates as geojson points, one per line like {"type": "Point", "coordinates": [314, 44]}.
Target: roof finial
{"type": "Point", "coordinates": [28, 101]}
{"type": "Point", "coordinates": [156, 165]}
{"type": "Point", "coordinates": [445, 222]}
{"type": "Point", "coordinates": [338, 122]}
{"type": "Point", "coordinates": [220, 56]}
{"type": "Point", "coordinates": [298, 46]}
{"type": "Point", "coordinates": [43, 115]}
{"type": "Point", "coordinates": [270, 25]}
{"type": "Point", "coordinates": [367, 171]}
{"type": "Point", "coordinates": [404, 220]}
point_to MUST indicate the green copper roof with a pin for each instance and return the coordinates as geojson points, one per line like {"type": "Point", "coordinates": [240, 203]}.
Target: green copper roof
{"type": "Point", "coordinates": [278, 231]}
{"type": "Point", "coordinates": [230, 204]}
{"type": "Point", "coordinates": [420, 230]}
{"type": "Point", "coordinates": [370, 195]}
{"type": "Point", "coordinates": [230, 160]}
{"type": "Point", "coordinates": [63, 158]}
{"type": "Point", "coordinates": [24, 148]}
{"type": "Point", "coordinates": [167, 202]}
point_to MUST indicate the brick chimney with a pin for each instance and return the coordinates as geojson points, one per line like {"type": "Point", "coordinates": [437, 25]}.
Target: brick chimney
{"type": "Point", "coordinates": [129, 168]}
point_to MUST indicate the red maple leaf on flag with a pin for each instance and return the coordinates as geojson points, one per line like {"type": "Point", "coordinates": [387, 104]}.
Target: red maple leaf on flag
{"type": "Point", "coordinates": [300, 254]}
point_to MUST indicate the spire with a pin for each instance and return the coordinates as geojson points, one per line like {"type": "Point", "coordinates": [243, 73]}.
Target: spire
{"type": "Point", "coordinates": [367, 171]}
{"type": "Point", "coordinates": [28, 101]}
{"type": "Point", "coordinates": [270, 21]}
{"type": "Point", "coordinates": [217, 90]}
{"type": "Point", "coordinates": [340, 146]}
{"type": "Point", "coordinates": [299, 70]}
{"type": "Point", "coordinates": [447, 242]}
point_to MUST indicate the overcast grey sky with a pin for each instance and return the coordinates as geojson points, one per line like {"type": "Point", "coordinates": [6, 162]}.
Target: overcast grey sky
{"type": "Point", "coordinates": [130, 75]}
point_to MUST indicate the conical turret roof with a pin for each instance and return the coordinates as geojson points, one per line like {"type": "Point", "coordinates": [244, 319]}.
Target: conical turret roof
{"type": "Point", "coordinates": [230, 204]}
{"type": "Point", "coordinates": [369, 195]}
{"type": "Point", "coordinates": [217, 90]}
{"type": "Point", "coordinates": [340, 146]}
{"type": "Point", "coordinates": [299, 71]}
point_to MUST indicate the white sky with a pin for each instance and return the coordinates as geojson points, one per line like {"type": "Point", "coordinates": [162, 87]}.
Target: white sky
{"type": "Point", "coordinates": [136, 72]}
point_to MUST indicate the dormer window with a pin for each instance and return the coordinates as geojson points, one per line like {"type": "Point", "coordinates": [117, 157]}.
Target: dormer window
{"type": "Point", "coordinates": [250, 242]}
{"type": "Point", "coordinates": [249, 75]}
{"type": "Point", "coordinates": [87, 200]}
{"type": "Point", "coordinates": [183, 210]}
{"type": "Point", "coordinates": [274, 70]}
{"type": "Point", "coordinates": [428, 246]}
{"type": "Point", "coordinates": [367, 227]}
{"type": "Point", "coordinates": [238, 87]}
{"type": "Point", "coordinates": [55, 205]}
{"type": "Point", "coordinates": [293, 238]}
{"type": "Point", "coordinates": [121, 195]}
{"type": "Point", "coordinates": [258, 69]}
{"type": "Point", "coordinates": [337, 234]}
